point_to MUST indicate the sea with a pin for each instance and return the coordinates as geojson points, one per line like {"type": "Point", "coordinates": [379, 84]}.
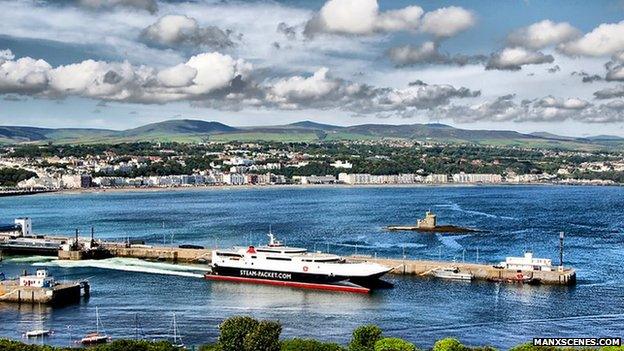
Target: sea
{"type": "Point", "coordinates": [137, 299]}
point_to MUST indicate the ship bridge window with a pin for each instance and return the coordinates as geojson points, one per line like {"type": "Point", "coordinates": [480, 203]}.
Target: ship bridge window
{"type": "Point", "coordinates": [229, 254]}
{"type": "Point", "coordinates": [278, 258]}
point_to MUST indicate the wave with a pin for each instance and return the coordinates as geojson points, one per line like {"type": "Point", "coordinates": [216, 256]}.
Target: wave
{"type": "Point", "coordinates": [29, 259]}
{"type": "Point", "coordinates": [456, 207]}
{"type": "Point", "coordinates": [130, 265]}
{"type": "Point", "coordinates": [451, 241]}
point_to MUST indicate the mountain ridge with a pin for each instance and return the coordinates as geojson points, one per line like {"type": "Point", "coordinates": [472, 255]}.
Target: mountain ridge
{"type": "Point", "coordinates": [194, 130]}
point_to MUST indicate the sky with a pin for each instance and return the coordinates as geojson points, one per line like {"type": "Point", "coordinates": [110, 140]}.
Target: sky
{"type": "Point", "coordinates": [555, 66]}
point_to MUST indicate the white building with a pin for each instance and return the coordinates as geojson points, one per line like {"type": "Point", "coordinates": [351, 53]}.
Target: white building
{"type": "Point", "coordinates": [477, 178]}
{"type": "Point", "coordinates": [44, 182]}
{"type": "Point", "coordinates": [342, 164]}
{"type": "Point", "coordinates": [234, 179]}
{"type": "Point", "coordinates": [328, 179]}
{"type": "Point", "coordinates": [527, 263]}
{"type": "Point", "coordinates": [40, 280]}
{"type": "Point", "coordinates": [437, 178]}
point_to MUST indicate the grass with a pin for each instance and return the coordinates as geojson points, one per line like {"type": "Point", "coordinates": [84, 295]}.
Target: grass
{"type": "Point", "coordinates": [252, 136]}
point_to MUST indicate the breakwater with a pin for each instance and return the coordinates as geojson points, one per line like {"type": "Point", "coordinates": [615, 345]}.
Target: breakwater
{"type": "Point", "coordinates": [416, 268]}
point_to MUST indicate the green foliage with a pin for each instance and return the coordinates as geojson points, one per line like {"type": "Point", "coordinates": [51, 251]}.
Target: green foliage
{"type": "Point", "coordinates": [233, 332]}
{"type": "Point", "coordinates": [364, 338]}
{"type": "Point", "coordinates": [394, 344]}
{"type": "Point", "coordinates": [210, 347]}
{"type": "Point", "coordinates": [297, 344]}
{"type": "Point", "coordinates": [12, 176]}
{"type": "Point", "coordinates": [264, 337]}
{"type": "Point", "coordinates": [449, 344]}
{"type": "Point", "coordinates": [531, 347]}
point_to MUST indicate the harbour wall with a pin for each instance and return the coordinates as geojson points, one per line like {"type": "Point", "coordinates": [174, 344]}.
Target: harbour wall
{"type": "Point", "coordinates": [399, 266]}
{"type": "Point", "coordinates": [479, 271]}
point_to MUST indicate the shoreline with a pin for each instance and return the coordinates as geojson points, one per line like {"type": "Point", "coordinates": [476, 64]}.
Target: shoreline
{"type": "Point", "coordinates": [303, 186]}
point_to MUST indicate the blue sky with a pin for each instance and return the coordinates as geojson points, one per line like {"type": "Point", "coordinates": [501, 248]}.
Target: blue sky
{"type": "Point", "coordinates": [554, 66]}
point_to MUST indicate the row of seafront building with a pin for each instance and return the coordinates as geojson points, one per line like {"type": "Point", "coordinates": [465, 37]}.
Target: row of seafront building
{"type": "Point", "coordinates": [410, 178]}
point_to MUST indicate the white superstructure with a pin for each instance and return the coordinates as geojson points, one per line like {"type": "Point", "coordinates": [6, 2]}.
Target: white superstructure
{"type": "Point", "coordinates": [528, 263]}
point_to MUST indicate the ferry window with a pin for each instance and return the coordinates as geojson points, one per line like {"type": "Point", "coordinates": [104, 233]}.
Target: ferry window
{"type": "Point", "coordinates": [279, 258]}
{"type": "Point", "coordinates": [254, 256]}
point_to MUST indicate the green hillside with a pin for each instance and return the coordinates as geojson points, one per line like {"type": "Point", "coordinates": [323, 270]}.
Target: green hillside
{"type": "Point", "coordinates": [196, 131]}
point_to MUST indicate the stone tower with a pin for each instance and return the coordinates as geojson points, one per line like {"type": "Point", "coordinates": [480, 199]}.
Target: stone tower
{"type": "Point", "coordinates": [429, 222]}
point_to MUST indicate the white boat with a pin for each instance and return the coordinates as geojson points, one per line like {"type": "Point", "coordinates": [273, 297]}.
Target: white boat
{"type": "Point", "coordinates": [37, 333]}
{"type": "Point", "coordinates": [451, 273]}
{"type": "Point", "coordinates": [277, 262]}
{"type": "Point", "coordinates": [96, 337]}
{"type": "Point", "coordinates": [177, 339]}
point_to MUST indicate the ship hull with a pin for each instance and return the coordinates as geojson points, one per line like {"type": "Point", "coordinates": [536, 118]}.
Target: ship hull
{"type": "Point", "coordinates": [294, 276]}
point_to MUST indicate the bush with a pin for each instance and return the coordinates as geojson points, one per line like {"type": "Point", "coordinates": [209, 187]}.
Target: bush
{"type": "Point", "coordinates": [233, 331]}
{"type": "Point", "coordinates": [309, 345]}
{"type": "Point", "coordinates": [264, 337]}
{"type": "Point", "coordinates": [449, 344]}
{"type": "Point", "coordinates": [365, 337]}
{"type": "Point", "coordinates": [394, 344]}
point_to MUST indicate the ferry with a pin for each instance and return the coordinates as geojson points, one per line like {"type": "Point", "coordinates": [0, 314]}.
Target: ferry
{"type": "Point", "coordinates": [292, 266]}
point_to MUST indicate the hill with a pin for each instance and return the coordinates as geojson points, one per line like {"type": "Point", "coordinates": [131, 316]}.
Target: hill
{"type": "Point", "coordinates": [193, 131]}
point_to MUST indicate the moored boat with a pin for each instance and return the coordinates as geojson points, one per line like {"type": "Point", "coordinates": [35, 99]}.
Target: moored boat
{"type": "Point", "coordinates": [96, 337]}
{"type": "Point", "coordinates": [37, 333]}
{"type": "Point", "coordinates": [451, 273]}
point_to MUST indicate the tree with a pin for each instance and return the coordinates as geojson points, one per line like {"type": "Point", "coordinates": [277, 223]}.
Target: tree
{"type": "Point", "coordinates": [233, 332]}
{"type": "Point", "coordinates": [449, 344]}
{"type": "Point", "coordinates": [264, 337]}
{"type": "Point", "coordinates": [394, 344]}
{"type": "Point", "coordinates": [297, 344]}
{"type": "Point", "coordinates": [364, 338]}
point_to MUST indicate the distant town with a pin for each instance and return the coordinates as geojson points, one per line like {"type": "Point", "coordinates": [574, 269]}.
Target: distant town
{"type": "Point", "coordinates": [378, 162]}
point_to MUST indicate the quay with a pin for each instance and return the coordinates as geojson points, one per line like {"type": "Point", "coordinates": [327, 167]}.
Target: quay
{"type": "Point", "coordinates": [422, 268]}
{"type": "Point", "coordinates": [418, 268]}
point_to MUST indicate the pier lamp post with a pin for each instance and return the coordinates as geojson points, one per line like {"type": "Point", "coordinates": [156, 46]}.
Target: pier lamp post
{"type": "Point", "coordinates": [561, 251]}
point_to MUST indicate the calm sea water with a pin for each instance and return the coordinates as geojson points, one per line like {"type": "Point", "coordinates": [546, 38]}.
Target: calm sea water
{"type": "Point", "coordinates": [343, 220]}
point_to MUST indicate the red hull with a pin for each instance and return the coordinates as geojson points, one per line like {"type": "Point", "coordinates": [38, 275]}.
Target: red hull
{"type": "Point", "coordinates": [312, 286]}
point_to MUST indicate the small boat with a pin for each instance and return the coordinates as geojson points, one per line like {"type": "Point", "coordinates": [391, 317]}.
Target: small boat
{"type": "Point", "coordinates": [519, 278]}
{"type": "Point", "coordinates": [451, 273]}
{"type": "Point", "coordinates": [38, 333]}
{"type": "Point", "coordinates": [177, 339]}
{"type": "Point", "coordinates": [96, 337]}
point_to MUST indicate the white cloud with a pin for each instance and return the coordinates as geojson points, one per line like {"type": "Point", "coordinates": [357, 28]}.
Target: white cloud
{"type": "Point", "coordinates": [544, 110]}
{"type": "Point", "coordinates": [606, 39]}
{"type": "Point", "coordinates": [148, 5]}
{"type": "Point", "coordinates": [514, 58]}
{"type": "Point", "coordinates": [428, 52]}
{"type": "Point", "coordinates": [23, 76]}
{"type": "Point", "coordinates": [543, 34]}
{"type": "Point", "coordinates": [447, 21]}
{"type": "Point", "coordinates": [175, 30]}
{"type": "Point", "coordinates": [362, 17]}
{"type": "Point", "coordinates": [121, 81]}
{"type": "Point", "coordinates": [6, 55]}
